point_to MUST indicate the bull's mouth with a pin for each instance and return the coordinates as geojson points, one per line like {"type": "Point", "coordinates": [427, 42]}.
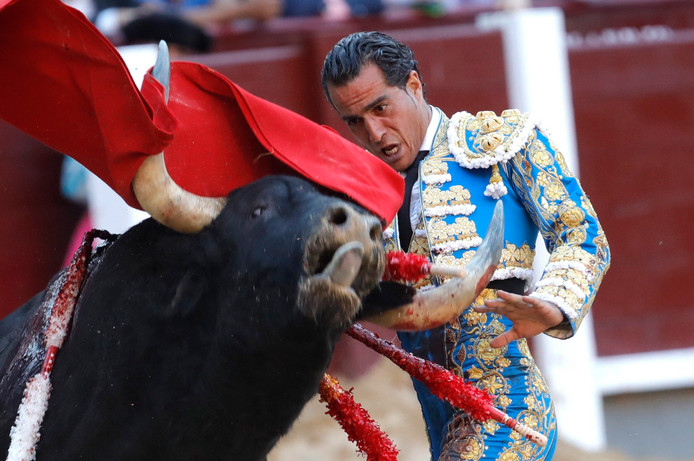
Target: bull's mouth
{"type": "Point", "coordinates": [349, 265]}
{"type": "Point", "coordinates": [336, 281]}
{"type": "Point", "coordinates": [344, 264]}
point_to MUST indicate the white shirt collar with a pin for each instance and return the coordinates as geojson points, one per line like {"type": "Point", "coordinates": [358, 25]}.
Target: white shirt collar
{"type": "Point", "coordinates": [432, 128]}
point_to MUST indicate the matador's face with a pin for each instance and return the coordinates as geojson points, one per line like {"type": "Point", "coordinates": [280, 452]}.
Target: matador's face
{"type": "Point", "coordinates": [389, 121]}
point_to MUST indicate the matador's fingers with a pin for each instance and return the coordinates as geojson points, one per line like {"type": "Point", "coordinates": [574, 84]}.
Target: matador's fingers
{"type": "Point", "coordinates": [504, 304]}
{"type": "Point", "coordinates": [505, 338]}
{"type": "Point", "coordinates": [530, 316]}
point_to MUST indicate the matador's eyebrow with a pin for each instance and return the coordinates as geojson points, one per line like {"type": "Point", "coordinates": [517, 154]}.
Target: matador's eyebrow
{"type": "Point", "coordinates": [371, 105]}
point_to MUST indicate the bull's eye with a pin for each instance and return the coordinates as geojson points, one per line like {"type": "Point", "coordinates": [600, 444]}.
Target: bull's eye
{"type": "Point", "coordinates": [257, 211]}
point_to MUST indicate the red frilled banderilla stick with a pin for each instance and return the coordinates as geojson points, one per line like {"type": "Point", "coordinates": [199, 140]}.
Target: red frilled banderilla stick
{"type": "Point", "coordinates": [25, 432]}
{"type": "Point", "coordinates": [356, 422]}
{"type": "Point", "coordinates": [445, 385]}
{"type": "Point", "coordinates": [412, 267]}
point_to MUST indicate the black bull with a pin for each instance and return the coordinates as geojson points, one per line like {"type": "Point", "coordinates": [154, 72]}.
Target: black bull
{"type": "Point", "coordinates": [203, 346]}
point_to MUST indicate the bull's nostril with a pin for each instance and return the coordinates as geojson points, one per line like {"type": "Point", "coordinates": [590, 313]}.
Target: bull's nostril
{"type": "Point", "coordinates": [338, 216]}
{"type": "Point", "coordinates": [376, 232]}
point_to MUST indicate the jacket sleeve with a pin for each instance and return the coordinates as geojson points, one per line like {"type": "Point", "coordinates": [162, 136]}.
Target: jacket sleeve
{"type": "Point", "coordinates": [579, 252]}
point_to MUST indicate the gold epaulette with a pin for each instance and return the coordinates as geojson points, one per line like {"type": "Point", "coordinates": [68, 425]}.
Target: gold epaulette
{"type": "Point", "coordinates": [485, 139]}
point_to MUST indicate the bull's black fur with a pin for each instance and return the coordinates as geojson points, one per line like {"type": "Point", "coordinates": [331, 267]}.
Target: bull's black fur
{"type": "Point", "coordinates": [187, 346]}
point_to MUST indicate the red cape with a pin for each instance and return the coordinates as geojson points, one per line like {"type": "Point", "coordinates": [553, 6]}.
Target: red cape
{"type": "Point", "coordinates": [65, 84]}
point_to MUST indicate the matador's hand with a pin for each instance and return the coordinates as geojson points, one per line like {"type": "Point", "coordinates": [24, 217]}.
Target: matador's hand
{"type": "Point", "coordinates": [530, 316]}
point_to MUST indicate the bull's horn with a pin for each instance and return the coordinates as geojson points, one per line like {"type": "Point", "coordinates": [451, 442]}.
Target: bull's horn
{"type": "Point", "coordinates": [157, 192]}
{"type": "Point", "coordinates": [162, 68]}
{"type": "Point", "coordinates": [439, 305]}
{"type": "Point", "coordinates": [168, 203]}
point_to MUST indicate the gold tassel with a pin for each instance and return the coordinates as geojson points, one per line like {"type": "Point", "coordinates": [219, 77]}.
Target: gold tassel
{"type": "Point", "coordinates": [496, 188]}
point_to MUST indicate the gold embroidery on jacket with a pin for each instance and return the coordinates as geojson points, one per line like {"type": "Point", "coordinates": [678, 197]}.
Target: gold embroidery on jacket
{"type": "Point", "coordinates": [486, 367]}
{"type": "Point", "coordinates": [571, 277]}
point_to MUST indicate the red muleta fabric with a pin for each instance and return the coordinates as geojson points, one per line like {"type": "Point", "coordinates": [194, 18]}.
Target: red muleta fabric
{"type": "Point", "coordinates": [65, 84]}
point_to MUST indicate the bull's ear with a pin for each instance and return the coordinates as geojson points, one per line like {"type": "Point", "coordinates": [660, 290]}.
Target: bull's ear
{"type": "Point", "coordinates": [189, 293]}
{"type": "Point", "coordinates": [387, 295]}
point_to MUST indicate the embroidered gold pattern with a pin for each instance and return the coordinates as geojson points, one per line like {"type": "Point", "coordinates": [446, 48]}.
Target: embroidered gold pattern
{"type": "Point", "coordinates": [490, 141]}
{"type": "Point", "coordinates": [513, 256]}
{"type": "Point", "coordinates": [554, 190]}
{"type": "Point", "coordinates": [485, 368]}
{"type": "Point", "coordinates": [542, 158]}
{"type": "Point", "coordinates": [491, 123]}
{"type": "Point", "coordinates": [491, 426]}
{"type": "Point", "coordinates": [458, 195]}
{"type": "Point", "coordinates": [540, 179]}
{"type": "Point", "coordinates": [434, 197]}
{"type": "Point", "coordinates": [570, 214]}
{"type": "Point", "coordinates": [434, 166]}
{"type": "Point", "coordinates": [451, 260]}
{"type": "Point", "coordinates": [511, 114]}
{"type": "Point", "coordinates": [389, 237]}
{"type": "Point", "coordinates": [446, 238]}
{"type": "Point", "coordinates": [565, 224]}
{"type": "Point", "coordinates": [486, 139]}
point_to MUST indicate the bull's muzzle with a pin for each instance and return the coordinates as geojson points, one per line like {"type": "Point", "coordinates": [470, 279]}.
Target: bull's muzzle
{"type": "Point", "coordinates": [344, 260]}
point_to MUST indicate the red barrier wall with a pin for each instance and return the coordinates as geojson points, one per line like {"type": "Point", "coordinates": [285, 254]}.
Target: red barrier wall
{"type": "Point", "coordinates": [634, 107]}
{"type": "Point", "coordinates": [36, 220]}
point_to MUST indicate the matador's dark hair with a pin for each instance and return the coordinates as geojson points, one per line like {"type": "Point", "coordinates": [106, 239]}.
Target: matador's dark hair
{"type": "Point", "coordinates": [344, 62]}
